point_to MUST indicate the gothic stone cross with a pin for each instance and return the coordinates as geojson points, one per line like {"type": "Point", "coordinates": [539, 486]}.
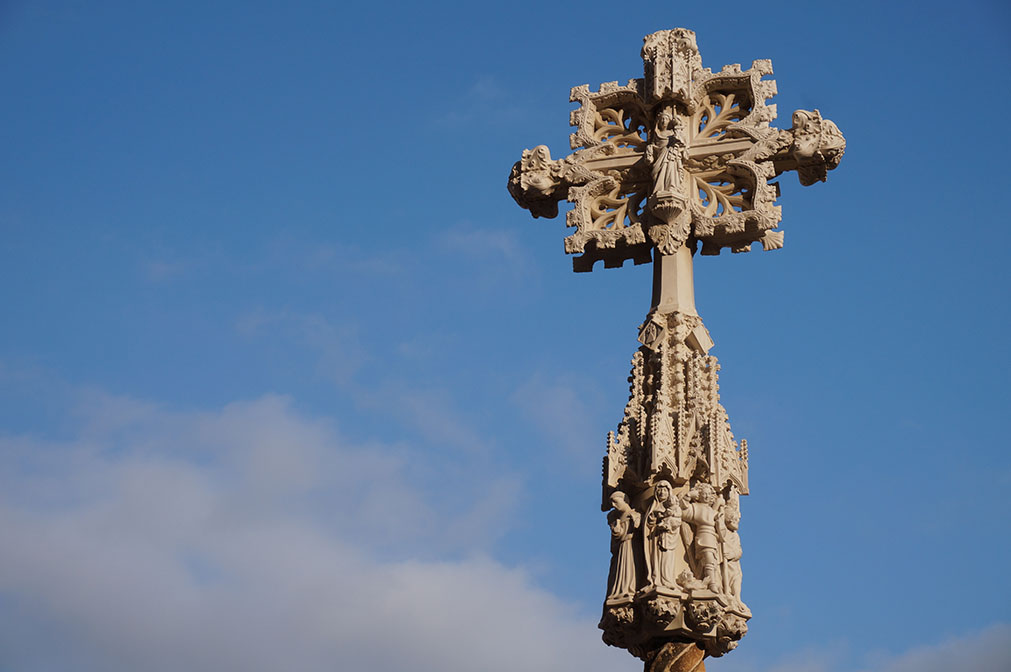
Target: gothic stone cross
{"type": "Point", "coordinates": [664, 164]}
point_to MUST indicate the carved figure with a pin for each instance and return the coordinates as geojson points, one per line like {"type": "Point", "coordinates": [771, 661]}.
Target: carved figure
{"type": "Point", "coordinates": [663, 519]}
{"type": "Point", "coordinates": [666, 154]}
{"type": "Point", "coordinates": [732, 552]}
{"type": "Point", "coordinates": [698, 511]}
{"type": "Point", "coordinates": [623, 521]}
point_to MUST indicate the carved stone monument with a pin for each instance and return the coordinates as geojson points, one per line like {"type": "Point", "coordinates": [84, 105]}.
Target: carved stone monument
{"type": "Point", "coordinates": [675, 163]}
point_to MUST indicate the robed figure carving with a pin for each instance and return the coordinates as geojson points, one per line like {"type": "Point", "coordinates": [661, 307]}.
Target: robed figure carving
{"type": "Point", "coordinates": [623, 521]}
{"type": "Point", "coordinates": [663, 521]}
{"type": "Point", "coordinates": [665, 153]}
{"type": "Point", "coordinates": [667, 202]}
{"type": "Point", "coordinates": [732, 551]}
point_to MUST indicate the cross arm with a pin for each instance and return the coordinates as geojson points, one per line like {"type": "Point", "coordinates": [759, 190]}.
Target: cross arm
{"type": "Point", "coordinates": [608, 181]}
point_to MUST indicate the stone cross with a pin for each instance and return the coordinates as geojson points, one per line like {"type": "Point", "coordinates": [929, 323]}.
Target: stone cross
{"type": "Point", "coordinates": [665, 166]}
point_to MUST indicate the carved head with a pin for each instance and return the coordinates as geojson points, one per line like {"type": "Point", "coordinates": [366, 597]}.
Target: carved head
{"type": "Point", "coordinates": [665, 116]}
{"type": "Point", "coordinates": [732, 515]}
{"type": "Point", "coordinates": [619, 500]}
{"type": "Point", "coordinates": [817, 147]}
{"type": "Point", "coordinates": [532, 182]}
{"type": "Point", "coordinates": [663, 492]}
{"type": "Point", "coordinates": [703, 492]}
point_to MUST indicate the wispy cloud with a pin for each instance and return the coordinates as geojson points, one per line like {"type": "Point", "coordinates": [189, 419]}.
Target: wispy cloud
{"type": "Point", "coordinates": [429, 411]}
{"type": "Point", "coordinates": [565, 409]}
{"type": "Point", "coordinates": [486, 102]}
{"type": "Point", "coordinates": [159, 270]}
{"type": "Point", "coordinates": [339, 349]}
{"type": "Point", "coordinates": [485, 244]}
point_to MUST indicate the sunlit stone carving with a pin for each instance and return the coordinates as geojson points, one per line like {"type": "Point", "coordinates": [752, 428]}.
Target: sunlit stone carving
{"type": "Point", "coordinates": [623, 521]}
{"type": "Point", "coordinates": [675, 163]}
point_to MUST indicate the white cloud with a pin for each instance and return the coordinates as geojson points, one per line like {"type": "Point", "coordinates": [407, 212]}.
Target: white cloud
{"type": "Point", "coordinates": [253, 538]}
{"type": "Point", "coordinates": [986, 651]}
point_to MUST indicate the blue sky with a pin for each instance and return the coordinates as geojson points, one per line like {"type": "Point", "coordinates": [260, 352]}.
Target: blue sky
{"type": "Point", "coordinates": [288, 380]}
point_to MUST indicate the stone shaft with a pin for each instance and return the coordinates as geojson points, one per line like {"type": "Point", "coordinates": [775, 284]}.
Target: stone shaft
{"type": "Point", "coordinates": [673, 284]}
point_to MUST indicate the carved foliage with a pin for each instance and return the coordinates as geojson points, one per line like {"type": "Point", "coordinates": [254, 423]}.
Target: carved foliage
{"type": "Point", "coordinates": [702, 616]}
{"type": "Point", "coordinates": [613, 115]}
{"type": "Point", "coordinates": [605, 216]}
{"type": "Point", "coordinates": [617, 623]}
{"type": "Point", "coordinates": [662, 610]}
{"type": "Point", "coordinates": [729, 631]}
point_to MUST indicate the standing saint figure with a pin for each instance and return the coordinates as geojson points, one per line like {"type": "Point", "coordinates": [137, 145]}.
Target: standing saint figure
{"type": "Point", "coordinates": [663, 520]}
{"type": "Point", "coordinates": [699, 511]}
{"type": "Point", "coordinates": [623, 520]}
{"type": "Point", "coordinates": [667, 202]}
{"type": "Point", "coordinates": [665, 153]}
{"type": "Point", "coordinates": [732, 551]}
